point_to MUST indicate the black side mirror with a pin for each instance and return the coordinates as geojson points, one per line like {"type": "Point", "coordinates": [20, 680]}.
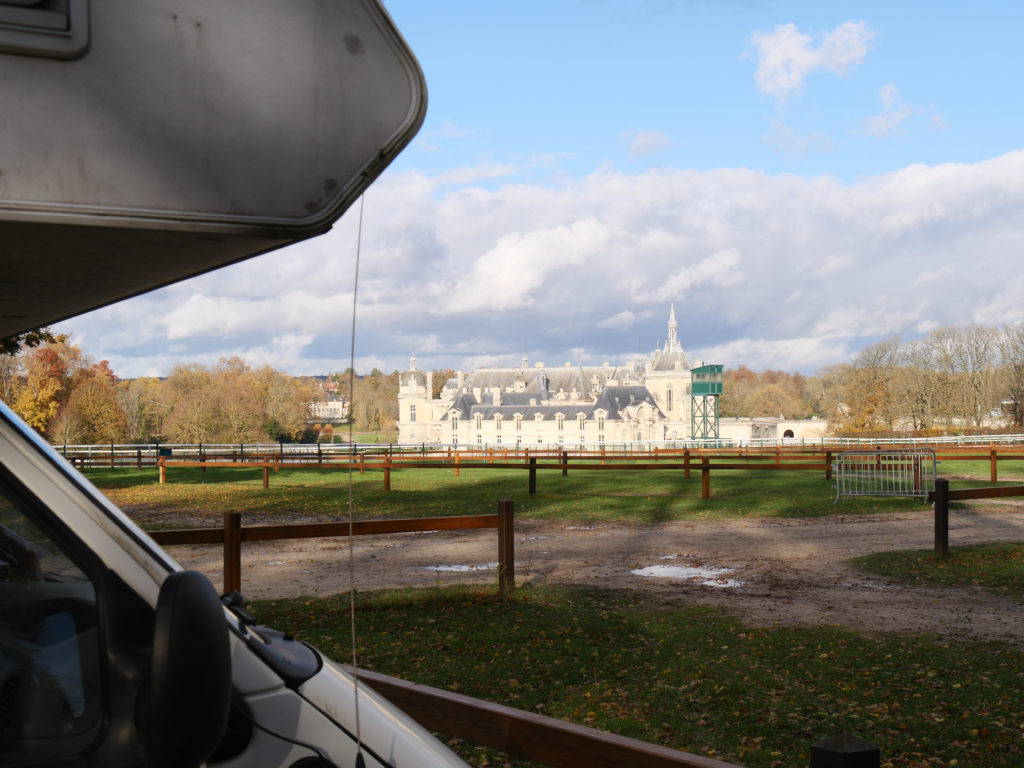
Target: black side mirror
{"type": "Point", "coordinates": [190, 683]}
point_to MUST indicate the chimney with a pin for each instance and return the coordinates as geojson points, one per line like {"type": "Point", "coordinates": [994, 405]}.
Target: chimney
{"type": "Point", "coordinates": [461, 378]}
{"type": "Point", "coordinates": [477, 393]}
{"type": "Point", "coordinates": [496, 395]}
{"type": "Point", "coordinates": [430, 383]}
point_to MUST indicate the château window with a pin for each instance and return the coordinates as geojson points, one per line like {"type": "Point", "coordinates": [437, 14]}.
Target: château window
{"type": "Point", "coordinates": [497, 423]}
{"type": "Point", "coordinates": [478, 422]}
{"type": "Point", "coordinates": [499, 437]}
{"type": "Point", "coordinates": [581, 418]}
{"type": "Point", "coordinates": [561, 422]}
{"type": "Point", "coordinates": [600, 423]}
{"type": "Point", "coordinates": [455, 423]}
{"type": "Point", "coordinates": [412, 413]}
{"type": "Point", "coordinates": [668, 399]}
{"type": "Point", "coordinates": [519, 423]}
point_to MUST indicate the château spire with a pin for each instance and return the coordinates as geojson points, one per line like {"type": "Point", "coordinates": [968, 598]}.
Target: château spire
{"type": "Point", "coordinates": [673, 327]}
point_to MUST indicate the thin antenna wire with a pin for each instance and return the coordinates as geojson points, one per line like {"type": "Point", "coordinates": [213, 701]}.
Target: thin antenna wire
{"type": "Point", "coordinates": [352, 445]}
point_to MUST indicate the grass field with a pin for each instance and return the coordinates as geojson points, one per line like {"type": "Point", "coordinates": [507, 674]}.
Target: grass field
{"type": "Point", "coordinates": [690, 678]}
{"type": "Point", "coordinates": [639, 496]}
{"type": "Point", "coordinates": [999, 566]}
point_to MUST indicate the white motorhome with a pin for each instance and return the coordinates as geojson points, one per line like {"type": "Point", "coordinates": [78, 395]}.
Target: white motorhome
{"type": "Point", "coordinates": [140, 144]}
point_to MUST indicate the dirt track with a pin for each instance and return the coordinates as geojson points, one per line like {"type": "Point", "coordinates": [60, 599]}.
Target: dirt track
{"type": "Point", "coordinates": [788, 571]}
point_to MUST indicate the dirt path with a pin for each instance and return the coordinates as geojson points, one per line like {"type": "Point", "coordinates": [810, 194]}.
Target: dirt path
{"type": "Point", "coordinates": [777, 571]}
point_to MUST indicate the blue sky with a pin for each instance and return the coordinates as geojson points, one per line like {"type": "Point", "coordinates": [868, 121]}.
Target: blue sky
{"type": "Point", "coordinates": [801, 179]}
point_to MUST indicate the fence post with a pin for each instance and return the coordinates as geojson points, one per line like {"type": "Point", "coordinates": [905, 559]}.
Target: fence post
{"type": "Point", "coordinates": [456, 463]}
{"type": "Point", "coordinates": [565, 463]}
{"type": "Point", "coordinates": [828, 469]}
{"type": "Point", "coordinates": [992, 465]}
{"type": "Point", "coordinates": [362, 463]}
{"type": "Point", "coordinates": [506, 549]}
{"type": "Point", "coordinates": [319, 453]}
{"type": "Point", "coordinates": [138, 459]}
{"type": "Point", "coordinates": [202, 457]}
{"type": "Point", "coordinates": [266, 474]}
{"type": "Point", "coordinates": [705, 478]}
{"type": "Point", "coordinates": [163, 470]}
{"type": "Point", "coordinates": [686, 464]}
{"type": "Point", "coordinates": [387, 475]}
{"type": "Point", "coordinates": [942, 517]}
{"type": "Point", "coordinates": [533, 475]}
{"type": "Point", "coordinates": [233, 550]}
{"type": "Point", "coordinates": [845, 750]}
{"type": "Point", "coordinates": [111, 455]}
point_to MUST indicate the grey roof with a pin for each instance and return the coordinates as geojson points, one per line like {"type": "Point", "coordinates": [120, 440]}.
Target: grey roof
{"type": "Point", "coordinates": [616, 399]}
{"type": "Point", "coordinates": [613, 401]}
{"type": "Point", "coordinates": [672, 358]}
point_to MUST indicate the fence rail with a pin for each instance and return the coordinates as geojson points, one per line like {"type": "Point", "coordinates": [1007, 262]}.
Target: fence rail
{"type": "Point", "coordinates": [124, 453]}
{"type": "Point", "coordinates": [941, 497]}
{"type": "Point", "coordinates": [525, 734]}
{"type": "Point", "coordinates": [232, 534]}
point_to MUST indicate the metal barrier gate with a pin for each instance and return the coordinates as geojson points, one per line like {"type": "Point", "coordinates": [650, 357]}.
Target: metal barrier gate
{"type": "Point", "coordinates": [885, 473]}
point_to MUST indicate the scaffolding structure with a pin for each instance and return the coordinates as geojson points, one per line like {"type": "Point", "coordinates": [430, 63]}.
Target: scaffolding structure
{"type": "Point", "coordinates": [705, 389]}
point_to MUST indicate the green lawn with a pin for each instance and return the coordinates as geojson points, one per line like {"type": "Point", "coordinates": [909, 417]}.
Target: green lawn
{"type": "Point", "coordinates": [689, 678]}
{"type": "Point", "coordinates": [971, 474]}
{"type": "Point", "coordinates": [637, 496]}
{"type": "Point", "coordinates": [997, 565]}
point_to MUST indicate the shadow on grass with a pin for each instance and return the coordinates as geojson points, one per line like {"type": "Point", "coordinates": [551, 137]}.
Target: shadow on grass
{"type": "Point", "coordinates": [626, 496]}
{"type": "Point", "coordinates": [690, 678]}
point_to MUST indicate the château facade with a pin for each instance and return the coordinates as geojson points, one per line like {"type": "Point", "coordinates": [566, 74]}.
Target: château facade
{"type": "Point", "coordinates": [572, 405]}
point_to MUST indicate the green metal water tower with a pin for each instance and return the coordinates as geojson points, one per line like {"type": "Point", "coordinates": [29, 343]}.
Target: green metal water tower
{"type": "Point", "coordinates": [705, 389]}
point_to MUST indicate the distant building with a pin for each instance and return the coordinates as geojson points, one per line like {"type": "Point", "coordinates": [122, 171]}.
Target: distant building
{"type": "Point", "coordinates": [333, 410]}
{"type": "Point", "coordinates": [646, 400]}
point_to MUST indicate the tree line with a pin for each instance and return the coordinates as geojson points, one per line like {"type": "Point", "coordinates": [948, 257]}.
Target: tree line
{"type": "Point", "coordinates": [955, 379]}
{"type": "Point", "coordinates": [68, 398]}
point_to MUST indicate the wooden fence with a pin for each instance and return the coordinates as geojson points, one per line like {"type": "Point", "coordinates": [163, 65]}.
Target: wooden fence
{"type": "Point", "coordinates": [941, 497]}
{"type": "Point", "coordinates": [525, 734]}
{"type": "Point", "coordinates": [233, 534]}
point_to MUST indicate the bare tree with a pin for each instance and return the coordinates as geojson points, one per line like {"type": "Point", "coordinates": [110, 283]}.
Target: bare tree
{"type": "Point", "coordinates": [1011, 348]}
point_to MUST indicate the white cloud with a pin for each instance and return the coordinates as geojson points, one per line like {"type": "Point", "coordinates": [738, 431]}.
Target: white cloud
{"type": "Point", "coordinates": [623, 320]}
{"type": "Point", "coordinates": [764, 270]}
{"type": "Point", "coordinates": [805, 353]}
{"type": "Point", "coordinates": [721, 269]}
{"type": "Point", "coordinates": [934, 275]}
{"type": "Point", "coordinates": [785, 56]}
{"type": "Point", "coordinates": [505, 277]}
{"type": "Point", "coordinates": [642, 143]}
{"type": "Point", "coordinates": [894, 112]}
{"type": "Point", "coordinates": [475, 173]}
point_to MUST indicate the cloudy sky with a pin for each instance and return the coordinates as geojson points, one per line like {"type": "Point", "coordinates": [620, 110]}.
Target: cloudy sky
{"type": "Point", "coordinates": [800, 178]}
